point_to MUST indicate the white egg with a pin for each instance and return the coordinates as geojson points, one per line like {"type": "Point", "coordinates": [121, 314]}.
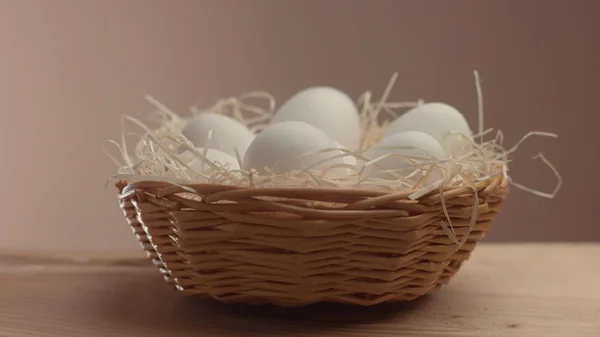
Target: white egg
{"type": "Point", "coordinates": [417, 144]}
{"type": "Point", "coordinates": [328, 109]}
{"type": "Point", "coordinates": [198, 165]}
{"type": "Point", "coordinates": [348, 159]}
{"type": "Point", "coordinates": [228, 134]}
{"type": "Point", "coordinates": [288, 146]}
{"type": "Point", "coordinates": [436, 119]}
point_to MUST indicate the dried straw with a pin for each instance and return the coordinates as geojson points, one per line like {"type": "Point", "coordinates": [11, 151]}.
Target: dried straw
{"type": "Point", "coordinates": [156, 154]}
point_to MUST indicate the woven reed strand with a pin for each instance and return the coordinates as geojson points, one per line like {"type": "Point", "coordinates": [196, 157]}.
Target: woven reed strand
{"type": "Point", "coordinates": [293, 247]}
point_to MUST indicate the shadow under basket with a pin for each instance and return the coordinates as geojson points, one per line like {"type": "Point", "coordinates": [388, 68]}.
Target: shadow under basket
{"type": "Point", "coordinates": [294, 247]}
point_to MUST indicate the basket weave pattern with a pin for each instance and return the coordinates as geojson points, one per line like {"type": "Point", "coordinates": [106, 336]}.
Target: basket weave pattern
{"type": "Point", "coordinates": [294, 247]}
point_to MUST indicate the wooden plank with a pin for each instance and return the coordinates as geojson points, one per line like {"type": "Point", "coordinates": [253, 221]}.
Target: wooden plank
{"type": "Point", "coordinates": [504, 290]}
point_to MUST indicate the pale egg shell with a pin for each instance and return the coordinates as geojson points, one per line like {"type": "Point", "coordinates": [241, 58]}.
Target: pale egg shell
{"type": "Point", "coordinates": [287, 146]}
{"type": "Point", "coordinates": [329, 109]}
{"type": "Point", "coordinates": [348, 159]}
{"type": "Point", "coordinates": [228, 134]}
{"type": "Point", "coordinates": [198, 165]}
{"type": "Point", "coordinates": [437, 120]}
{"type": "Point", "coordinates": [421, 145]}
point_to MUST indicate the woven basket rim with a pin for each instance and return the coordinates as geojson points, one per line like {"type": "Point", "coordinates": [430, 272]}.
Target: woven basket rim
{"type": "Point", "coordinates": [127, 186]}
{"type": "Point", "coordinates": [357, 203]}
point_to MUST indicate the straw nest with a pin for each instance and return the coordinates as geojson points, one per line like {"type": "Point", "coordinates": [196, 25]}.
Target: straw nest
{"type": "Point", "coordinates": [310, 235]}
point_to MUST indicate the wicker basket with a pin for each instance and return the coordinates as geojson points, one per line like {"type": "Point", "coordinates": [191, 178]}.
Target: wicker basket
{"type": "Point", "coordinates": [293, 247]}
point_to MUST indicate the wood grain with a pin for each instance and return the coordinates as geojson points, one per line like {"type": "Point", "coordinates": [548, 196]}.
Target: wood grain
{"type": "Point", "coordinates": [504, 290]}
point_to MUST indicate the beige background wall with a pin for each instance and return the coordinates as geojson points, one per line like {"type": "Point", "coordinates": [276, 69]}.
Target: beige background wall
{"type": "Point", "coordinates": [70, 68]}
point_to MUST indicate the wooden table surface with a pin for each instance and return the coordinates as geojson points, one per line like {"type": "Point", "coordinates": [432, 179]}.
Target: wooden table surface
{"type": "Point", "coordinates": [504, 290]}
